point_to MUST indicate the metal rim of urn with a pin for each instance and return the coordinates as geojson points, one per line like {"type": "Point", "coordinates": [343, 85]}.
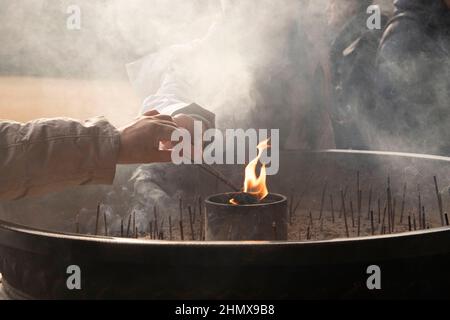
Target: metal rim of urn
{"type": "Point", "coordinates": [265, 221]}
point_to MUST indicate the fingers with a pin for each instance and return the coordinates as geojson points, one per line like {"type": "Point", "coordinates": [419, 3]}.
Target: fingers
{"type": "Point", "coordinates": [150, 113]}
{"type": "Point", "coordinates": [164, 132]}
{"type": "Point", "coordinates": [152, 121]}
{"type": "Point", "coordinates": [164, 117]}
{"type": "Point", "coordinates": [156, 115]}
{"type": "Point", "coordinates": [166, 145]}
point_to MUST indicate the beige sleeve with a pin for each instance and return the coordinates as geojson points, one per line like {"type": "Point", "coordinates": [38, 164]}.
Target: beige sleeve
{"type": "Point", "coordinates": [46, 155]}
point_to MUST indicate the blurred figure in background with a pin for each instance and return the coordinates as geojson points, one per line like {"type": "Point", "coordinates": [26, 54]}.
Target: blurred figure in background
{"type": "Point", "coordinates": [353, 51]}
{"type": "Point", "coordinates": [413, 107]}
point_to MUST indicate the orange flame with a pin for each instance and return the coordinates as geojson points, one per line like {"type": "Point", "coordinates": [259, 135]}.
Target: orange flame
{"type": "Point", "coordinates": [253, 184]}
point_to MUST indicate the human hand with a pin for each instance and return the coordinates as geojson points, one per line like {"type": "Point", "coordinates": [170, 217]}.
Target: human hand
{"type": "Point", "coordinates": [140, 141]}
{"type": "Point", "coordinates": [186, 122]}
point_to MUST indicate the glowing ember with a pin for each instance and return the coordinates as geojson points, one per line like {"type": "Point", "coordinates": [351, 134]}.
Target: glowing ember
{"type": "Point", "coordinates": [253, 184]}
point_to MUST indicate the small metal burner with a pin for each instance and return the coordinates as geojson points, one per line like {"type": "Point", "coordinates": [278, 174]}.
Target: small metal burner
{"type": "Point", "coordinates": [266, 220]}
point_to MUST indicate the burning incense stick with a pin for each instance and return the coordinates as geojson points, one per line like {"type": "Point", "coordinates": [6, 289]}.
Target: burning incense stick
{"type": "Point", "coordinates": [403, 203]}
{"type": "Point", "coordinates": [181, 230]}
{"type": "Point", "coordinates": [323, 199]}
{"type": "Point", "coordinates": [202, 227]}
{"type": "Point", "coordinates": [106, 224]}
{"type": "Point", "coordinates": [345, 214]}
{"type": "Point", "coordinates": [393, 214]}
{"type": "Point", "coordinates": [332, 208]}
{"type": "Point", "coordinates": [345, 194]}
{"type": "Point", "coordinates": [371, 223]}
{"type": "Point", "coordinates": [200, 206]}
{"type": "Point", "coordinates": [161, 226]}
{"type": "Point", "coordinates": [291, 205]}
{"type": "Point", "coordinates": [351, 213]}
{"type": "Point", "coordinates": [155, 213]}
{"type": "Point", "coordinates": [191, 222]}
{"type": "Point", "coordinates": [358, 188]}
{"type": "Point", "coordinates": [170, 228]}
{"type": "Point", "coordinates": [439, 200]}
{"type": "Point", "coordinates": [77, 223]}
{"type": "Point", "coordinates": [97, 218]}
{"type": "Point", "coordinates": [379, 210]}
{"type": "Point", "coordinates": [389, 205]}
{"type": "Point", "coordinates": [129, 224]}
{"type": "Point", "coordinates": [151, 230]}
{"type": "Point", "coordinates": [419, 208]}
{"type": "Point", "coordinates": [181, 219]}
{"type": "Point", "coordinates": [369, 205]}
{"type": "Point", "coordinates": [194, 213]}
{"type": "Point", "coordinates": [359, 223]}
{"type": "Point", "coordinates": [200, 212]}
{"type": "Point", "coordinates": [360, 202]}
{"type": "Point", "coordinates": [424, 221]}
{"type": "Point", "coordinates": [293, 211]}
{"type": "Point", "coordinates": [384, 219]}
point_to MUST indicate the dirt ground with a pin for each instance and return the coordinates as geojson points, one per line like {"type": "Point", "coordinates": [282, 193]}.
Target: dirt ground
{"type": "Point", "coordinates": [26, 98]}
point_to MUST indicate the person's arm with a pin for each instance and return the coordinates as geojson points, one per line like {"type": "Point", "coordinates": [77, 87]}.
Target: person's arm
{"type": "Point", "coordinates": [46, 155]}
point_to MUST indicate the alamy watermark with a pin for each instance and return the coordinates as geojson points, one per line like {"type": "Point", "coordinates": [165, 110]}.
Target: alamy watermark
{"type": "Point", "coordinates": [374, 20]}
{"type": "Point", "coordinates": [73, 21]}
{"type": "Point", "coordinates": [73, 281]}
{"type": "Point", "coordinates": [234, 146]}
{"type": "Point", "coordinates": [374, 280]}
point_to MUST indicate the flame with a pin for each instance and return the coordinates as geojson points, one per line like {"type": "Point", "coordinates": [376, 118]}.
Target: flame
{"type": "Point", "coordinates": [253, 184]}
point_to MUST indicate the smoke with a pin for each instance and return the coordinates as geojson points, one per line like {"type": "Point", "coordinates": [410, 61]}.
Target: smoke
{"type": "Point", "coordinates": [228, 46]}
{"type": "Point", "coordinates": [36, 40]}
{"type": "Point", "coordinates": [250, 62]}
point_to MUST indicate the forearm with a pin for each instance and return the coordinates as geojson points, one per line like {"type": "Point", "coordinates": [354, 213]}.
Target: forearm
{"type": "Point", "coordinates": [46, 155]}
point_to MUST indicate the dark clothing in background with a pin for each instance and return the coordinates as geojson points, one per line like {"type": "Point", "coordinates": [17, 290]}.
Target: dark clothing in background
{"type": "Point", "coordinates": [413, 79]}
{"type": "Point", "coordinates": [352, 57]}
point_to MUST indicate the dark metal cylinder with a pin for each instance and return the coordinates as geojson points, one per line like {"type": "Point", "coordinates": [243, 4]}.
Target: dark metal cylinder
{"type": "Point", "coordinates": [259, 222]}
